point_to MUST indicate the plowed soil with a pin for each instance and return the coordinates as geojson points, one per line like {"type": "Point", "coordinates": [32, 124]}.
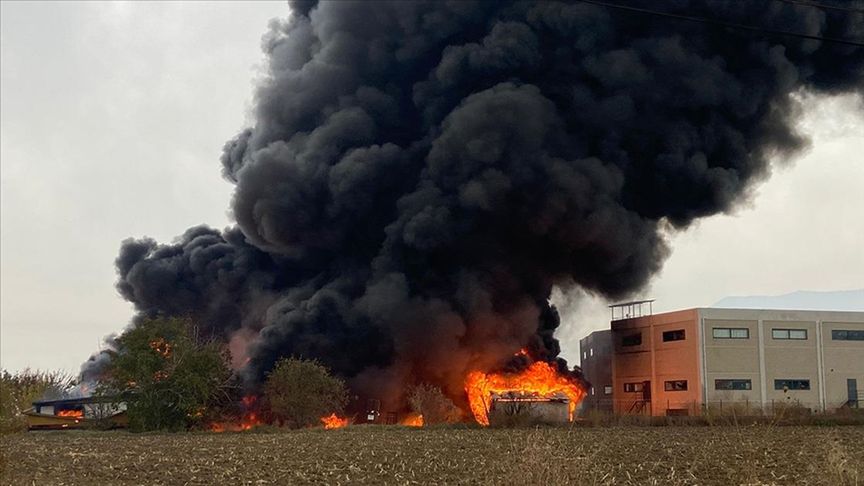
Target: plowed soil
{"type": "Point", "coordinates": [400, 455]}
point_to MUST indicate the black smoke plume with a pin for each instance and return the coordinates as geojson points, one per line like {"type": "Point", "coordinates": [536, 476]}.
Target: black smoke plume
{"type": "Point", "coordinates": [420, 174]}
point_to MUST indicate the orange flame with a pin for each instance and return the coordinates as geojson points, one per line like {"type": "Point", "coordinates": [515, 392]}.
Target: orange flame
{"type": "Point", "coordinates": [333, 421]}
{"type": "Point", "coordinates": [249, 420]}
{"type": "Point", "coordinates": [413, 420]}
{"type": "Point", "coordinates": [161, 346]}
{"type": "Point", "coordinates": [540, 380]}
{"type": "Point", "coordinates": [78, 414]}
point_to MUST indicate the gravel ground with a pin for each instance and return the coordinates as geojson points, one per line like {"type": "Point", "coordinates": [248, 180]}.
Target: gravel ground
{"type": "Point", "coordinates": [399, 455]}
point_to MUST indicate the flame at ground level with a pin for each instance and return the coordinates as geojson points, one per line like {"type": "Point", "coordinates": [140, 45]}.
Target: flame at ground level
{"type": "Point", "coordinates": [413, 420]}
{"type": "Point", "coordinates": [247, 421]}
{"type": "Point", "coordinates": [334, 422]}
{"type": "Point", "coordinates": [540, 379]}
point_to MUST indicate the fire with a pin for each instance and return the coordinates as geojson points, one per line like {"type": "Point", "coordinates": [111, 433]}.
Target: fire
{"type": "Point", "coordinates": [249, 420]}
{"type": "Point", "coordinates": [78, 414]}
{"type": "Point", "coordinates": [162, 347]}
{"type": "Point", "coordinates": [413, 420]}
{"type": "Point", "coordinates": [539, 380]}
{"type": "Point", "coordinates": [334, 422]}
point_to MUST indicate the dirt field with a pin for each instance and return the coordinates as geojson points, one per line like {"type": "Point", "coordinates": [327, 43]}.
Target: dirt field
{"type": "Point", "coordinates": [397, 455]}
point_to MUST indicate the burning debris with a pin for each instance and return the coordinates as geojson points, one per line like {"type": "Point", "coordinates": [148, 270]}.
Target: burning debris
{"type": "Point", "coordinates": [539, 382]}
{"type": "Point", "coordinates": [70, 413]}
{"type": "Point", "coordinates": [412, 420]}
{"type": "Point", "coordinates": [414, 184]}
{"type": "Point", "coordinates": [248, 420]}
{"type": "Point", "coordinates": [333, 421]}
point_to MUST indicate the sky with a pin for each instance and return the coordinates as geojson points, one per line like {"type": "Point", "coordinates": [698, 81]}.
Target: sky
{"type": "Point", "coordinates": [113, 117]}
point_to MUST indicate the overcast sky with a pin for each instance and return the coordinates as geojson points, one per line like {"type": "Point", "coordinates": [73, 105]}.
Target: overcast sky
{"type": "Point", "coordinates": [114, 116]}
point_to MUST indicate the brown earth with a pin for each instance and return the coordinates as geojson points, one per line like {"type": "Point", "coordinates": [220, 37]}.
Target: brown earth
{"type": "Point", "coordinates": [399, 455]}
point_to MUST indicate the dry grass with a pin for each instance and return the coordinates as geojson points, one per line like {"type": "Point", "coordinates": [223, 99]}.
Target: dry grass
{"type": "Point", "coordinates": [399, 455]}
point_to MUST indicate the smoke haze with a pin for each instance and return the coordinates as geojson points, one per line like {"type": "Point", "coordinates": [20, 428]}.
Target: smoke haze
{"type": "Point", "coordinates": [419, 175]}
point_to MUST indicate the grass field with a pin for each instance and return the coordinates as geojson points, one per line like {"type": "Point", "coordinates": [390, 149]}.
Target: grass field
{"type": "Point", "coordinates": [398, 455]}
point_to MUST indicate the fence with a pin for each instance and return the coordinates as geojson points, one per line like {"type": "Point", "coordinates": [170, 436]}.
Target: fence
{"type": "Point", "coordinates": [741, 408]}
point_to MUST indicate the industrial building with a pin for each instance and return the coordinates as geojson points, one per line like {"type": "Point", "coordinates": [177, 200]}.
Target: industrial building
{"type": "Point", "coordinates": [679, 363]}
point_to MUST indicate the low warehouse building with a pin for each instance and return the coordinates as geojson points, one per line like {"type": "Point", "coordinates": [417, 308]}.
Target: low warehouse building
{"type": "Point", "coordinates": [515, 406]}
{"type": "Point", "coordinates": [76, 413]}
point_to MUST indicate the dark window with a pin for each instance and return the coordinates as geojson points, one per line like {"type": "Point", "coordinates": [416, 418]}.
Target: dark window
{"type": "Point", "coordinates": [792, 384]}
{"type": "Point", "coordinates": [800, 334]}
{"type": "Point", "coordinates": [676, 385]}
{"type": "Point", "coordinates": [632, 340]}
{"type": "Point", "coordinates": [633, 387]}
{"type": "Point", "coordinates": [839, 335]}
{"type": "Point", "coordinates": [731, 333]}
{"type": "Point", "coordinates": [677, 335]}
{"type": "Point", "coordinates": [733, 385]}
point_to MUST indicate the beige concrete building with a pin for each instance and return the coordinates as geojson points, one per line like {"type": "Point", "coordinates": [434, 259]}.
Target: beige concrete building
{"type": "Point", "coordinates": [680, 362]}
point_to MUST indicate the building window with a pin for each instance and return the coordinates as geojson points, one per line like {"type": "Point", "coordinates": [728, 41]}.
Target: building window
{"type": "Point", "coordinates": [591, 352]}
{"type": "Point", "coordinates": [632, 340]}
{"type": "Point", "coordinates": [799, 334]}
{"type": "Point", "coordinates": [607, 390]}
{"type": "Point", "coordinates": [675, 385]}
{"type": "Point", "coordinates": [791, 384]}
{"type": "Point", "coordinates": [677, 335]}
{"type": "Point", "coordinates": [633, 387]}
{"type": "Point", "coordinates": [592, 391]}
{"type": "Point", "coordinates": [733, 385]}
{"type": "Point", "coordinates": [840, 335]}
{"type": "Point", "coordinates": [731, 333]}
{"type": "Point", "coordinates": [584, 354]}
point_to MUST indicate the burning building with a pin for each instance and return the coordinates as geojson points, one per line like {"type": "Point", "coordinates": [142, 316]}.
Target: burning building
{"type": "Point", "coordinates": [532, 408]}
{"type": "Point", "coordinates": [76, 413]}
{"type": "Point", "coordinates": [417, 176]}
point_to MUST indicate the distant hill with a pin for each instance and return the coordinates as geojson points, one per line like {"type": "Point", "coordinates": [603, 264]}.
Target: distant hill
{"type": "Point", "coordinates": [841, 300]}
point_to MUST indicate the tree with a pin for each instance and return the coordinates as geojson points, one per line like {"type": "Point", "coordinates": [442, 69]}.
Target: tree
{"type": "Point", "coordinates": [167, 376]}
{"type": "Point", "coordinates": [300, 392]}
{"type": "Point", "coordinates": [19, 390]}
{"type": "Point", "coordinates": [430, 402]}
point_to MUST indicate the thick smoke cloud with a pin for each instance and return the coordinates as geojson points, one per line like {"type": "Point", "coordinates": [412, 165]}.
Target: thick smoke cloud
{"type": "Point", "coordinates": [420, 174]}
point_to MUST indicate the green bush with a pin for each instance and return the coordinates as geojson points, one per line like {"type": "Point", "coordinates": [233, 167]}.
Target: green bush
{"type": "Point", "coordinates": [300, 392]}
{"type": "Point", "coordinates": [167, 376]}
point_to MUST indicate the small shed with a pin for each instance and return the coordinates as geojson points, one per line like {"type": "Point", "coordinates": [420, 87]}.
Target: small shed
{"type": "Point", "coordinates": [76, 413]}
{"type": "Point", "coordinates": [554, 409]}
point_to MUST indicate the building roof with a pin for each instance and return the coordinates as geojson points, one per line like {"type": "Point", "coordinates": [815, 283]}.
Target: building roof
{"type": "Point", "coordinates": [77, 401]}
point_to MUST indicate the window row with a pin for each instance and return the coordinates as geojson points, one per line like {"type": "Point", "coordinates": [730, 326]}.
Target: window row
{"type": "Point", "coordinates": [636, 339]}
{"type": "Point", "coordinates": [744, 333]}
{"type": "Point", "coordinates": [748, 385]}
{"type": "Point", "coordinates": [607, 390]}
{"type": "Point", "coordinates": [724, 384]}
{"type": "Point", "coordinates": [673, 385]}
